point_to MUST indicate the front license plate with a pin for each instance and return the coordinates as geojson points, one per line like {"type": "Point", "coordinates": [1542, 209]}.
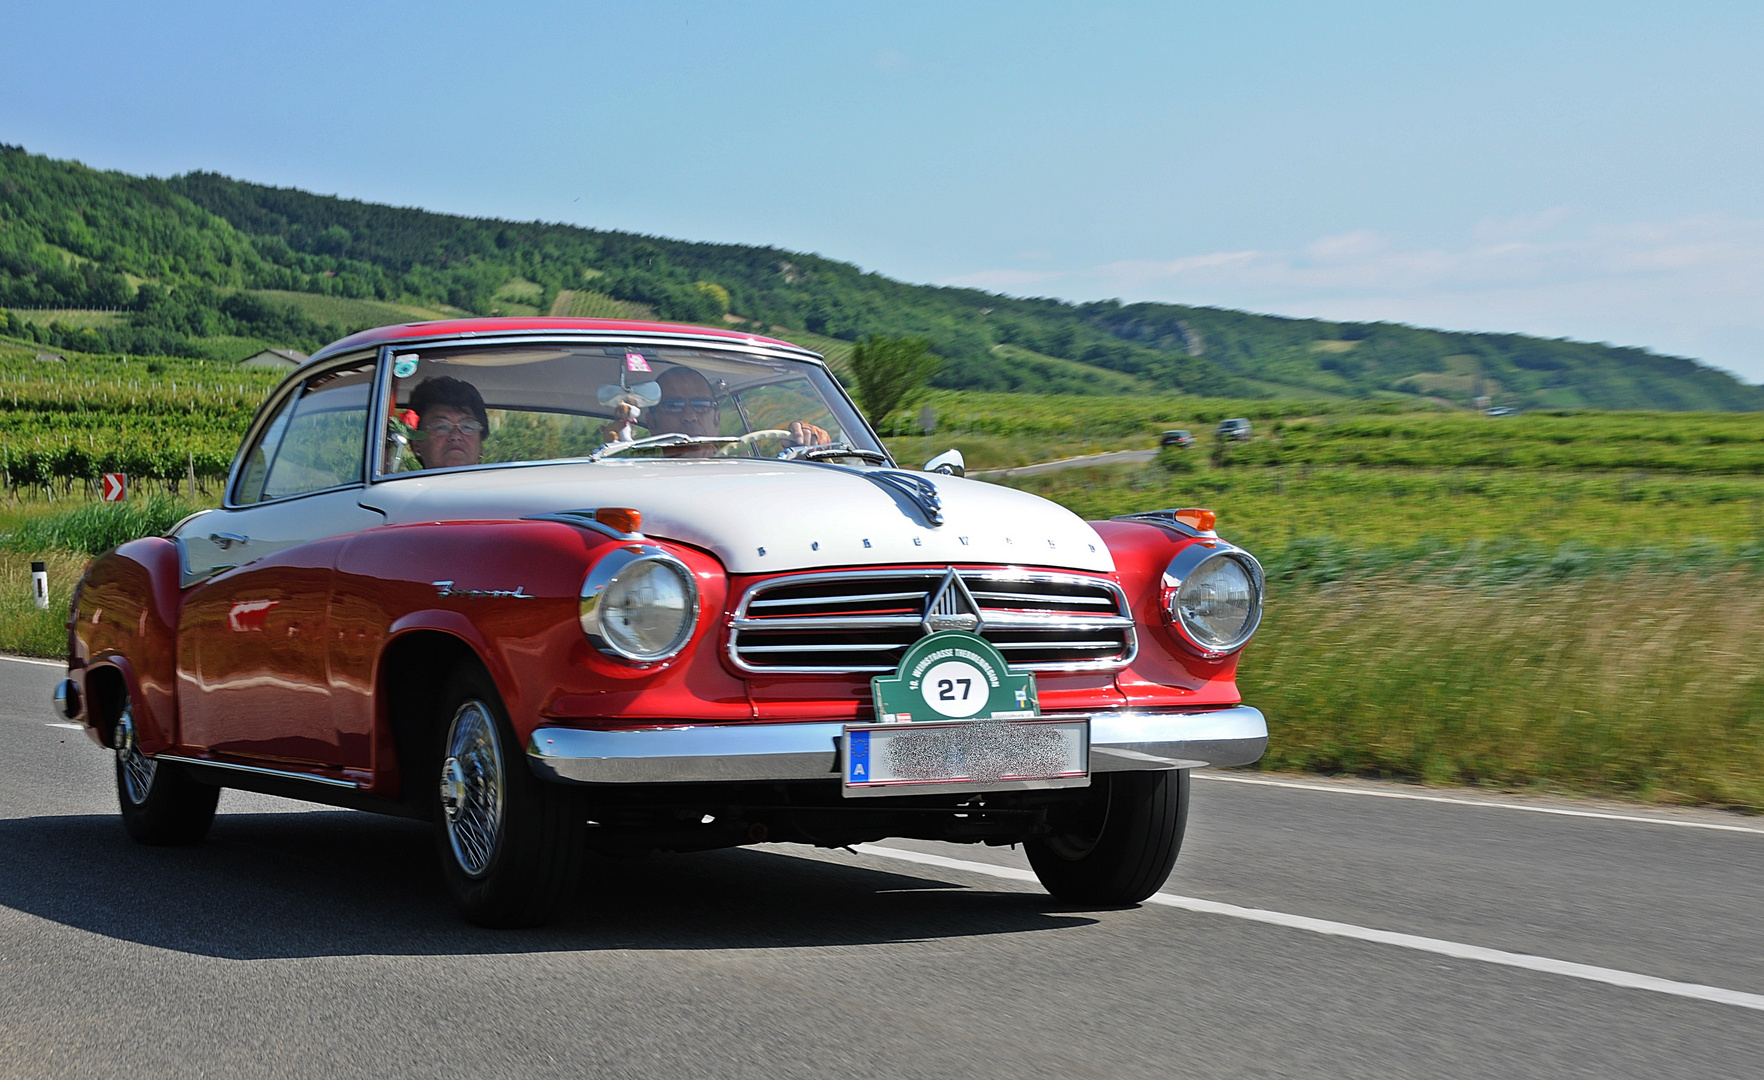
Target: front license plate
{"type": "Point", "coordinates": [930, 757]}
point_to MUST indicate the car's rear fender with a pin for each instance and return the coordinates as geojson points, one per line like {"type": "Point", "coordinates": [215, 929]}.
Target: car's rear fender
{"type": "Point", "coordinates": [124, 620]}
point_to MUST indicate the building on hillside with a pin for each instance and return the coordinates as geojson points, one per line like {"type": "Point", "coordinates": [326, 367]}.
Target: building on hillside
{"type": "Point", "coordinates": [275, 358]}
{"type": "Point", "coordinates": [51, 357]}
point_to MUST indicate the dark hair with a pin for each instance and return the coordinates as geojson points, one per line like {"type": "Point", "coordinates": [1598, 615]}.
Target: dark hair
{"type": "Point", "coordinates": [447, 390]}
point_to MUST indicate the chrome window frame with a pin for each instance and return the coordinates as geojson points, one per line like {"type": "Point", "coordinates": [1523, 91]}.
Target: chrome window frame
{"type": "Point", "coordinates": [1123, 621]}
{"type": "Point", "coordinates": [267, 412]}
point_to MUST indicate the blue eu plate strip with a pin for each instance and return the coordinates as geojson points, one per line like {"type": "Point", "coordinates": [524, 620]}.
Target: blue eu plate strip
{"type": "Point", "coordinates": [858, 757]}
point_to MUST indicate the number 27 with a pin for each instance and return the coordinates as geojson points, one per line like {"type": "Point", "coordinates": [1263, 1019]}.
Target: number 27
{"type": "Point", "coordinates": [946, 688]}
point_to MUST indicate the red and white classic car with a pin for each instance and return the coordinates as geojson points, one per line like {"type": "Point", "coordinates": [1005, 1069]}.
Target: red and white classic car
{"type": "Point", "coordinates": [570, 586]}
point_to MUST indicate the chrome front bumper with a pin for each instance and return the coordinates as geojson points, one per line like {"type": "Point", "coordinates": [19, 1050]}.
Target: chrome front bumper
{"type": "Point", "coordinates": [1119, 742]}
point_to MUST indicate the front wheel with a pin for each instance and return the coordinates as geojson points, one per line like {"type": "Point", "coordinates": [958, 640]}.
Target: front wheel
{"type": "Point", "coordinates": [161, 804]}
{"type": "Point", "coordinates": [510, 843]}
{"type": "Point", "coordinates": [1117, 845]}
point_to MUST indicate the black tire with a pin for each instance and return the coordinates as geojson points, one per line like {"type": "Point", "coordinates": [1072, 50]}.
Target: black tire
{"type": "Point", "coordinates": [161, 804]}
{"type": "Point", "coordinates": [1118, 845]}
{"type": "Point", "coordinates": [513, 866]}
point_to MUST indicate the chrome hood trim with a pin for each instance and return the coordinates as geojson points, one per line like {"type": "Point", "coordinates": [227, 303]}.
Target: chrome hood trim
{"type": "Point", "coordinates": [765, 516]}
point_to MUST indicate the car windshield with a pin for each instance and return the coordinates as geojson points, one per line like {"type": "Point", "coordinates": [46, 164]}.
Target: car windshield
{"type": "Point", "coordinates": [453, 406]}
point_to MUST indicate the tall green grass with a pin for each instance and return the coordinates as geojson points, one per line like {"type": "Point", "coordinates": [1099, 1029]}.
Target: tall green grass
{"type": "Point", "coordinates": [94, 528]}
{"type": "Point", "coordinates": [1648, 684]}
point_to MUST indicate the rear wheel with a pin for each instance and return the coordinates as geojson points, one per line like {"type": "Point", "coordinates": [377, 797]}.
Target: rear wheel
{"type": "Point", "coordinates": [1117, 845]}
{"type": "Point", "coordinates": [510, 844]}
{"type": "Point", "coordinates": [161, 804]}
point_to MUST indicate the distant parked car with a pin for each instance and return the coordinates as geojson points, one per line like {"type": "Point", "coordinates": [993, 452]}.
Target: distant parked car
{"type": "Point", "coordinates": [1502, 410]}
{"type": "Point", "coordinates": [1180, 437]}
{"type": "Point", "coordinates": [1237, 430]}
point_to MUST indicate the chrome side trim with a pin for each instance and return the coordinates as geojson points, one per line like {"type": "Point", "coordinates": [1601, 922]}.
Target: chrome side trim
{"type": "Point", "coordinates": [259, 770]}
{"type": "Point", "coordinates": [757, 751]}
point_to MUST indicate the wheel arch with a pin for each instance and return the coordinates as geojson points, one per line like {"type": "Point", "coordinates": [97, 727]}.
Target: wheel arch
{"type": "Point", "coordinates": [108, 685]}
{"type": "Point", "coordinates": [413, 672]}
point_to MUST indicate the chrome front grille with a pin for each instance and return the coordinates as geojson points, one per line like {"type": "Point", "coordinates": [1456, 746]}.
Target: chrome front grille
{"type": "Point", "coordinates": [863, 621]}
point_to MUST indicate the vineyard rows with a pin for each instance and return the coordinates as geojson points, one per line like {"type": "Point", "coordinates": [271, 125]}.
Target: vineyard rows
{"type": "Point", "coordinates": [77, 419]}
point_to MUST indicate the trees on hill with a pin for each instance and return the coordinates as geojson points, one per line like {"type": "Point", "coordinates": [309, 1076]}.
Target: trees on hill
{"type": "Point", "coordinates": [77, 237]}
{"type": "Point", "coordinates": [890, 373]}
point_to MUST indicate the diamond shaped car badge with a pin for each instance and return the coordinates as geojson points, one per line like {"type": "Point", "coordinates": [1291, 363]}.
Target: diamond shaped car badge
{"type": "Point", "coordinates": [952, 607]}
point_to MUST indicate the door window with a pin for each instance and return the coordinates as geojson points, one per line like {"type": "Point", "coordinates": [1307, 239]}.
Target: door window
{"type": "Point", "coordinates": [315, 442]}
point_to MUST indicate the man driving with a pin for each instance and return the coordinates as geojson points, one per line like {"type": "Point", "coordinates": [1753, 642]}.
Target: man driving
{"type": "Point", "coordinates": [689, 405]}
{"type": "Point", "coordinates": [451, 422]}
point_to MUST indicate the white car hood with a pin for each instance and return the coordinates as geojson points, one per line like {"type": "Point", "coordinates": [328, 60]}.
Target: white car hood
{"type": "Point", "coordinates": [765, 516]}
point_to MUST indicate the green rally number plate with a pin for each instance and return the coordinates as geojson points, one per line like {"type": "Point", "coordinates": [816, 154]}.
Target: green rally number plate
{"type": "Point", "coordinates": [953, 675]}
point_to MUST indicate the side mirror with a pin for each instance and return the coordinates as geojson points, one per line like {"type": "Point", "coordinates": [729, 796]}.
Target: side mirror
{"type": "Point", "coordinates": [949, 463]}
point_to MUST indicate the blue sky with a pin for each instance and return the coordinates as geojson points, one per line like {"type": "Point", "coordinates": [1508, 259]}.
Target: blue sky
{"type": "Point", "coordinates": [1579, 169]}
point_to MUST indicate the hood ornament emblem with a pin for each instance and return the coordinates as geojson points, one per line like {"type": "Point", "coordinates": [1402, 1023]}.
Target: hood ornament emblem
{"type": "Point", "coordinates": [952, 607]}
{"type": "Point", "coordinates": [915, 487]}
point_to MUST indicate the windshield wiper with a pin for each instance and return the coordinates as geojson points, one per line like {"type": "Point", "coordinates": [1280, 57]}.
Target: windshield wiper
{"type": "Point", "coordinates": [831, 450]}
{"type": "Point", "coordinates": [672, 438]}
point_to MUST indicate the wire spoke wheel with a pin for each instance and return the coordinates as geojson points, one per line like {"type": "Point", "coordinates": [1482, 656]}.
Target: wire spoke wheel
{"type": "Point", "coordinates": [510, 844]}
{"type": "Point", "coordinates": [472, 788]}
{"type": "Point", "coordinates": [161, 803]}
{"type": "Point", "coordinates": [137, 769]}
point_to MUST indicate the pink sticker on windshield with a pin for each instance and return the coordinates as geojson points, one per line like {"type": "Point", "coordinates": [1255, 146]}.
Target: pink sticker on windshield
{"type": "Point", "coordinates": [634, 362]}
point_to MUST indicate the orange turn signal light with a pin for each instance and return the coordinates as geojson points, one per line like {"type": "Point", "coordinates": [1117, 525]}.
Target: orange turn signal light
{"type": "Point", "coordinates": [1196, 518]}
{"type": "Point", "coordinates": [622, 518]}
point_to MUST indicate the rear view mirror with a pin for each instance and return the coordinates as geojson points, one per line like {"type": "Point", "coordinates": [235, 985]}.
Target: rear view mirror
{"type": "Point", "coordinates": [949, 463]}
{"type": "Point", "coordinates": [642, 394]}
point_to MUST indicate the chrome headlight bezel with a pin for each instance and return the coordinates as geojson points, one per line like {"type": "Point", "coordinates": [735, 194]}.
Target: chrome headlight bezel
{"type": "Point", "coordinates": [602, 576]}
{"type": "Point", "coordinates": [1182, 568]}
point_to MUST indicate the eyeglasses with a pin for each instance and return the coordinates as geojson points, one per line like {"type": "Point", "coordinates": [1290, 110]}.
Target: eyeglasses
{"type": "Point", "coordinates": [443, 428]}
{"type": "Point", "coordinates": [697, 404]}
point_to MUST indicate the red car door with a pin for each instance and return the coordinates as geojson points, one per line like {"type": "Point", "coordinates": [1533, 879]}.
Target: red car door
{"type": "Point", "coordinates": [253, 679]}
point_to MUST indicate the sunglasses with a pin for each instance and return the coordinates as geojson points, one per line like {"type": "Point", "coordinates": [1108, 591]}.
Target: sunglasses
{"type": "Point", "coordinates": [443, 428]}
{"type": "Point", "coordinates": [697, 404]}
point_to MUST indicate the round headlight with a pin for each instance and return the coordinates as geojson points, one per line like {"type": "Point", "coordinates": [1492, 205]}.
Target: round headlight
{"type": "Point", "coordinates": [639, 603]}
{"type": "Point", "coordinates": [1214, 598]}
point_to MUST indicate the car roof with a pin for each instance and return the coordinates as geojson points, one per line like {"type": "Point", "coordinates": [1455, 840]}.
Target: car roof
{"type": "Point", "coordinates": [492, 328]}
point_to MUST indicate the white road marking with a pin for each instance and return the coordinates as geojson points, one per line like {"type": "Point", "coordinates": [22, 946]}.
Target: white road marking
{"type": "Point", "coordinates": [30, 660]}
{"type": "Point", "coordinates": [70, 727]}
{"type": "Point", "coordinates": [1332, 789]}
{"type": "Point", "coordinates": [1629, 980]}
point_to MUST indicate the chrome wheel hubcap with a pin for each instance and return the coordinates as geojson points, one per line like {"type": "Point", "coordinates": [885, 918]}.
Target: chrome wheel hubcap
{"type": "Point", "coordinates": [137, 768]}
{"type": "Point", "coordinates": [471, 788]}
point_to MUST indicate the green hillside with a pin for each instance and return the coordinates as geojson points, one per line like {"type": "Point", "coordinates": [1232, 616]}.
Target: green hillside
{"type": "Point", "coordinates": [201, 259]}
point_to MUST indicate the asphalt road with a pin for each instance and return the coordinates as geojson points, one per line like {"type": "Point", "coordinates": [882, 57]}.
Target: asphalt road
{"type": "Point", "coordinates": [310, 942]}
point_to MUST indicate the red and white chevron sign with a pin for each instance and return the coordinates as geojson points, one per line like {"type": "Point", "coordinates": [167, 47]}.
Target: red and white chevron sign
{"type": "Point", "coordinates": [115, 487]}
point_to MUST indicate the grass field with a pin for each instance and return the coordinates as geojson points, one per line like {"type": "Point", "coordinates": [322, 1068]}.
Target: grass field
{"type": "Point", "coordinates": [1648, 684]}
{"type": "Point", "coordinates": [588, 304]}
{"type": "Point", "coordinates": [350, 313]}
{"type": "Point", "coordinates": [78, 318]}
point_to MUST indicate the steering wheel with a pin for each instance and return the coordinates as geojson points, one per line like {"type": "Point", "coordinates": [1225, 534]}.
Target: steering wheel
{"type": "Point", "coordinates": [748, 441]}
